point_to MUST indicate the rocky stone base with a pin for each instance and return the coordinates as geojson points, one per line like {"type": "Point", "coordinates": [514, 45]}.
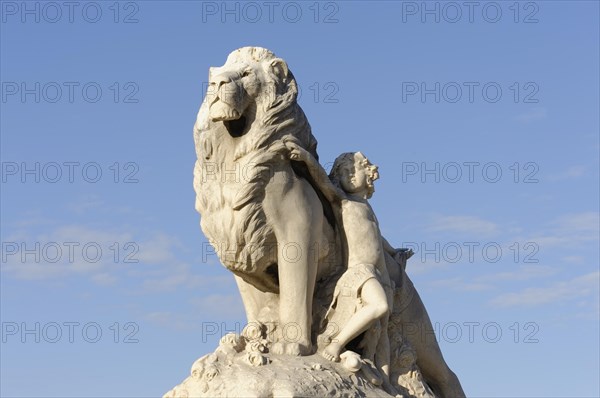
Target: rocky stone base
{"type": "Point", "coordinates": [239, 368]}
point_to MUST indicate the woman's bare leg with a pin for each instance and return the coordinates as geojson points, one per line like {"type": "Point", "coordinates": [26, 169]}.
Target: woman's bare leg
{"type": "Point", "coordinates": [375, 306]}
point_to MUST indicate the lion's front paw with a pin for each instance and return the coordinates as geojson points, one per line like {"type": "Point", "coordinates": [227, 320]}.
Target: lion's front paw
{"type": "Point", "coordinates": [277, 348]}
{"type": "Point", "coordinates": [293, 349]}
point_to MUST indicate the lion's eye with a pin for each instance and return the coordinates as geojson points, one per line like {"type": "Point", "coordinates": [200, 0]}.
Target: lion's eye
{"type": "Point", "coordinates": [246, 73]}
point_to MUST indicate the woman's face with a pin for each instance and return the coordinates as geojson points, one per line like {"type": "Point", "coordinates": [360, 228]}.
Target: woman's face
{"type": "Point", "coordinates": [359, 175]}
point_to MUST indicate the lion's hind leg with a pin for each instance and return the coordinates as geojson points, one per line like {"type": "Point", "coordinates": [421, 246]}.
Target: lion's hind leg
{"type": "Point", "coordinates": [420, 335]}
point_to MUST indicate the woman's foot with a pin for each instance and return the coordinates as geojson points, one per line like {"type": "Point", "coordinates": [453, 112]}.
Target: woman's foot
{"type": "Point", "coordinates": [332, 352]}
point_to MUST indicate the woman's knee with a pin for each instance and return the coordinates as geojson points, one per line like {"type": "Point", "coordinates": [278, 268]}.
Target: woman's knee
{"type": "Point", "coordinates": [381, 309]}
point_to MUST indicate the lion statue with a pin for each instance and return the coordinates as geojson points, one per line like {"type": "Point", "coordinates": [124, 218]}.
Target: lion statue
{"type": "Point", "coordinates": [268, 223]}
{"type": "Point", "coordinates": [272, 227]}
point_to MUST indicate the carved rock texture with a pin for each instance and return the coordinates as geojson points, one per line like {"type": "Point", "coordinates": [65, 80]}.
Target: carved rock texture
{"type": "Point", "coordinates": [252, 374]}
{"type": "Point", "coordinates": [242, 367]}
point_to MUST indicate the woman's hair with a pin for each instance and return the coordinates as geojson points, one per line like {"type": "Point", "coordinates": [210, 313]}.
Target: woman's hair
{"type": "Point", "coordinates": [341, 163]}
{"type": "Point", "coordinates": [345, 162]}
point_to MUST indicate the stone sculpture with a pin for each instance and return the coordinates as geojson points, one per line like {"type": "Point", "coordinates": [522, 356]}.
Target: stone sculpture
{"type": "Point", "coordinates": [330, 308]}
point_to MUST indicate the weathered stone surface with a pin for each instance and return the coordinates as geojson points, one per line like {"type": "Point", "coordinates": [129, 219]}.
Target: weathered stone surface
{"type": "Point", "coordinates": [315, 274]}
{"type": "Point", "coordinates": [271, 375]}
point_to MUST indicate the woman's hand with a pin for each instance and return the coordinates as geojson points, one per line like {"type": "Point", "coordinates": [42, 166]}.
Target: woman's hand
{"type": "Point", "coordinates": [402, 255]}
{"type": "Point", "coordinates": [296, 152]}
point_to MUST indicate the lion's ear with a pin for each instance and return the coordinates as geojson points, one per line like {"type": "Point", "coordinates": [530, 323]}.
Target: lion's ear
{"type": "Point", "coordinates": [279, 68]}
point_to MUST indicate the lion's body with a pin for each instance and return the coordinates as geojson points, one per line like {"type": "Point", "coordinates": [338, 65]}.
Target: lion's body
{"type": "Point", "coordinates": [267, 223]}
{"type": "Point", "coordinates": [266, 220]}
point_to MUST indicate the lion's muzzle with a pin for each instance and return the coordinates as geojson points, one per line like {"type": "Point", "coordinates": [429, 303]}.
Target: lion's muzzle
{"type": "Point", "coordinates": [220, 111]}
{"type": "Point", "coordinates": [227, 97]}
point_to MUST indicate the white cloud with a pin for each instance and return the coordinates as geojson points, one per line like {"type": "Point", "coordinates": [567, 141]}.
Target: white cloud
{"type": "Point", "coordinates": [86, 203]}
{"type": "Point", "coordinates": [213, 309]}
{"type": "Point", "coordinates": [470, 225]}
{"type": "Point", "coordinates": [160, 265]}
{"type": "Point", "coordinates": [573, 259]}
{"type": "Point", "coordinates": [490, 282]}
{"type": "Point", "coordinates": [533, 114]}
{"type": "Point", "coordinates": [570, 230]}
{"type": "Point", "coordinates": [176, 274]}
{"type": "Point", "coordinates": [60, 252]}
{"type": "Point", "coordinates": [169, 277]}
{"type": "Point", "coordinates": [172, 320]}
{"type": "Point", "coordinates": [579, 222]}
{"type": "Point", "coordinates": [523, 273]}
{"type": "Point", "coordinates": [93, 203]}
{"type": "Point", "coordinates": [160, 249]}
{"type": "Point", "coordinates": [460, 284]}
{"type": "Point", "coordinates": [584, 286]}
{"type": "Point", "coordinates": [105, 279]}
{"type": "Point", "coordinates": [573, 172]}
{"type": "Point", "coordinates": [219, 306]}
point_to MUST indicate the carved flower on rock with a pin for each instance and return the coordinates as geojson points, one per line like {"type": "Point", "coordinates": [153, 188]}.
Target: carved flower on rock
{"type": "Point", "coordinates": [197, 372]}
{"type": "Point", "coordinates": [259, 345]}
{"type": "Point", "coordinates": [210, 372]}
{"type": "Point", "coordinates": [255, 359]}
{"type": "Point", "coordinates": [232, 340]}
{"type": "Point", "coordinates": [254, 331]}
{"type": "Point", "coordinates": [180, 393]}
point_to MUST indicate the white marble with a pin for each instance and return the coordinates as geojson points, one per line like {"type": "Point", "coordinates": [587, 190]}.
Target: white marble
{"type": "Point", "coordinates": [327, 297]}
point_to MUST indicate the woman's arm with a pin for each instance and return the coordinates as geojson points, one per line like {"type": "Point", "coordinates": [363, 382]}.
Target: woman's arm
{"type": "Point", "coordinates": [331, 192]}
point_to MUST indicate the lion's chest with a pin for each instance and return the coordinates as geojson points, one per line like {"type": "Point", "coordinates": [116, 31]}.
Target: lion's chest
{"type": "Point", "coordinates": [230, 193]}
{"type": "Point", "coordinates": [219, 174]}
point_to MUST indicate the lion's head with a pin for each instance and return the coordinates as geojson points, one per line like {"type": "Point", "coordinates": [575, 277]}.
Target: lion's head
{"type": "Point", "coordinates": [252, 82]}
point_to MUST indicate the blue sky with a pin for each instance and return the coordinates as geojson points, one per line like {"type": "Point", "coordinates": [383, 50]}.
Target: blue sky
{"type": "Point", "coordinates": [484, 124]}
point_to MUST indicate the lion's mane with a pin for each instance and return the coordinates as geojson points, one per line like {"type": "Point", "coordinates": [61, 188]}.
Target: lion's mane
{"type": "Point", "coordinates": [236, 224]}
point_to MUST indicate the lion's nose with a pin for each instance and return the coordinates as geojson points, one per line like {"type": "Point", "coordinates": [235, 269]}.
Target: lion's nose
{"type": "Point", "coordinates": [220, 79]}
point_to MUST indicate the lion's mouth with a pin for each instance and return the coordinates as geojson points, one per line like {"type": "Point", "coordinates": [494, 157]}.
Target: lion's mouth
{"type": "Point", "coordinates": [236, 127]}
{"type": "Point", "coordinates": [233, 120]}
{"type": "Point", "coordinates": [220, 111]}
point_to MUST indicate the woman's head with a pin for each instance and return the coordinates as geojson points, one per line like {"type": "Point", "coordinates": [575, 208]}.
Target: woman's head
{"type": "Point", "coordinates": [353, 173]}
